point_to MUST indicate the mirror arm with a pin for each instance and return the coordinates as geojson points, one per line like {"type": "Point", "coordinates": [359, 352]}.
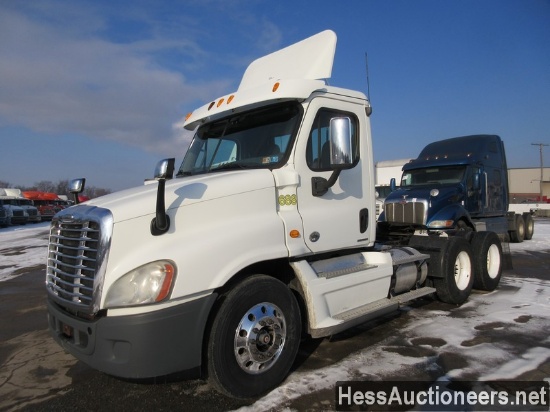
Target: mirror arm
{"type": "Point", "coordinates": [161, 222]}
{"type": "Point", "coordinates": [320, 185]}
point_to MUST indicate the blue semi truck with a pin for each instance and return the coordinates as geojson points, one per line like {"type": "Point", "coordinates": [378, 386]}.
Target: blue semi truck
{"type": "Point", "coordinates": [455, 186]}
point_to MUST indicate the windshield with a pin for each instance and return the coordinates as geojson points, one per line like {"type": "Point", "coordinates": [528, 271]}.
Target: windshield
{"type": "Point", "coordinates": [383, 191]}
{"type": "Point", "coordinates": [256, 139]}
{"type": "Point", "coordinates": [433, 175]}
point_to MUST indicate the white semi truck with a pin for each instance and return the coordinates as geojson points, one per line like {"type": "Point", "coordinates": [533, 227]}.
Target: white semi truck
{"type": "Point", "coordinates": [26, 204]}
{"type": "Point", "coordinates": [266, 234]}
{"type": "Point", "coordinates": [15, 213]}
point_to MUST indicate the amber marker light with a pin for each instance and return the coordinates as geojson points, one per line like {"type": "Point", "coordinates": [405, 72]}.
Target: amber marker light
{"type": "Point", "coordinates": [294, 234]}
{"type": "Point", "coordinates": [211, 104]}
{"type": "Point", "coordinates": [188, 115]}
{"type": "Point", "coordinates": [167, 282]}
{"type": "Point", "coordinates": [230, 98]}
{"type": "Point", "coordinates": [275, 87]}
{"type": "Point", "coordinates": [220, 102]}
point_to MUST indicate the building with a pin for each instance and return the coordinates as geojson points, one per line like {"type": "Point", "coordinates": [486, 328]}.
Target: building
{"type": "Point", "coordinates": [525, 185]}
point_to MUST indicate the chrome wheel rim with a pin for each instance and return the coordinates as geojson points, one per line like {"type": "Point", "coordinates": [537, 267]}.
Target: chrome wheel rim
{"type": "Point", "coordinates": [260, 338]}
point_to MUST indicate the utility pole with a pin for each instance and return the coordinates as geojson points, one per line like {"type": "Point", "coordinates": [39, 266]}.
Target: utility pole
{"type": "Point", "coordinates": [540, 145]}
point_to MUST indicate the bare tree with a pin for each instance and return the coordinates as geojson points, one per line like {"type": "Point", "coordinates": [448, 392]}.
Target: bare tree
{"type": "Point", "coordinates": [45, 186]}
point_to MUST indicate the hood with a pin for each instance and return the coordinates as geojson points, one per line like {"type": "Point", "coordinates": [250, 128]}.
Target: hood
{"type": "Point", "coordinates": [447, 195]}
{"type": "Point", "coordinates": [182, 191]}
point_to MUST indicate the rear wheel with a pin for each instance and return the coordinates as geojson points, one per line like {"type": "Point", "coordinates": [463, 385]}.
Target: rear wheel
{"type": "Point", "coordinates": [487, 260]}
{"type": "Point", "coordinates": [255, 337]}
{"type": "Point", "coordinates": [457, 281]}
{"type": "Point", "coordinates": [529, 226]}
{"type": "Point", "coordinates": [518, 235]}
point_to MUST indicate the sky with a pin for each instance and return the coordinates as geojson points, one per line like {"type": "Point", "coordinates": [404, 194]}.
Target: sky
{"type": "Point", "coordinates": [99, 89]}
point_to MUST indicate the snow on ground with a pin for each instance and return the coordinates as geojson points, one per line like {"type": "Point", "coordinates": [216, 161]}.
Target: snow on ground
{"type": "Point", "coordinates": [516, 308]}
{"type": "Point", "coordinates": [520, 305]}
{"type": "Point", "coordinates": [22, 247]}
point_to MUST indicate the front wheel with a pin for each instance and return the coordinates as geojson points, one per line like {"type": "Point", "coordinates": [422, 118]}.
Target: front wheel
{"type": "Point", "coordinates": [487, 260]}
{"type": "Point", "coordinates": [457, 278]}
{"type": "Point", "coordinates": [254, 338]}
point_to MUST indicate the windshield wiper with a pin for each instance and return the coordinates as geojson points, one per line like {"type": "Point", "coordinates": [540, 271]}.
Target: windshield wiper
{"type": "Point", "coordinates": [234, 165]}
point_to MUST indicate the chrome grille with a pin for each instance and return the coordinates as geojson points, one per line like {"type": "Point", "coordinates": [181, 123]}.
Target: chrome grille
{"type": "Point", "coordinates": [406, 212]}
{"type": "Point", "coordinates": [78, 246]}
{"type": "Point", "coordinates": [72, 261]}
{"type": "Point", "coordinates": [378, 209]}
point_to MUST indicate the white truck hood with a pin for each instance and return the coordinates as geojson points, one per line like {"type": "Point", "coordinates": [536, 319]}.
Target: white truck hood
{"type": "Point", "coordinates": [179, 192]}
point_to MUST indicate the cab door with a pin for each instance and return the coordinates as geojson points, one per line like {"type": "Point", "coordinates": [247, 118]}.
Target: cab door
{"type": "Point", "coordinates": [339, 218]}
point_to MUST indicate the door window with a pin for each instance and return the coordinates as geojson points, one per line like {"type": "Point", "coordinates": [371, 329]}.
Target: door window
{"type": "Point", "coordinates": [318, 145]}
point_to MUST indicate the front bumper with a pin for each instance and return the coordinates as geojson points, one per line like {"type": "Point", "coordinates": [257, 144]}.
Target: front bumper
{"type": "Point", "coordinates": [138, 346]}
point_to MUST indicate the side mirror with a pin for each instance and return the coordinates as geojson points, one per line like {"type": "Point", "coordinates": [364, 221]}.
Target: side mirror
{"type": "Point", "coordinates": [164, 169]}
{"type": "Point", "coordinates": [76, 186]}
{"type": "Point", "coordinates": [340, 142]}
{"type": "Point", "coordinates": [392, 184]}
{"type": "Point", "coordinates": [341, 156]}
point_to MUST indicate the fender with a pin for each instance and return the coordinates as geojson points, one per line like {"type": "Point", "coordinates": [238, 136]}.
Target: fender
{"type": "Point", "coordinates": [448, 217]}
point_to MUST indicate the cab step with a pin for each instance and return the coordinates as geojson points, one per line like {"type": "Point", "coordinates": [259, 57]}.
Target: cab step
{"type": "Point", "coordinates": [361, 314]}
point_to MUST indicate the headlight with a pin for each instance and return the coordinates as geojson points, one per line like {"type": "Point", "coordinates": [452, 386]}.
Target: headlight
{"type": "Point", "coordinates": [149, 283]}
{"type": "Point", "coordinates": [441, 224]}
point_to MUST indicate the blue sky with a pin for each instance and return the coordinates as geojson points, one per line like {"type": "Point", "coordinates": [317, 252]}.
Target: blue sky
{"type": "Point", "coordinates": [98, 89]}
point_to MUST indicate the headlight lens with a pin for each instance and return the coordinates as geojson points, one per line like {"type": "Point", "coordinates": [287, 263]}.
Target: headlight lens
{"type": "Point", "coordinates": [149, 283]}
{"type": "Point", "coordinates": [441, 224]}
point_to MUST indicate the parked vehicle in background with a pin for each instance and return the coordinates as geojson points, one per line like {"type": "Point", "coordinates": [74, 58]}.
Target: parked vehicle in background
{"type": "Point", "coordinates": [3, 217]}
{"type": "Point", "coordinates": [26, 204]}
{"type": "Point", "coordinates": [456, 185]}
{"type": "Point", "coordinates": [15, 214]}
{"type": "Point", "coordinates": [44, 202]}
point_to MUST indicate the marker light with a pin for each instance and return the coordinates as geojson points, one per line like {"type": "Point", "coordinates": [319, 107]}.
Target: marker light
{"type": "Point", "coordinates": [210, 105]}
{"type": "Point", "coordinates": [294, 234]}
{"type": "Point", "coordinates": [188, 115]}
{"type": "Point", "coordinates": [230, 98]}
{"type": "Point", "coordinates": [220, 102]}
{"type": "Point", "coordinates": [275, 87]}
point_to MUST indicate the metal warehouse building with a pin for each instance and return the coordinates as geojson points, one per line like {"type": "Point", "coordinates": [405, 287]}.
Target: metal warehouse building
{"type": "Point", "coordinates": [526, 185]}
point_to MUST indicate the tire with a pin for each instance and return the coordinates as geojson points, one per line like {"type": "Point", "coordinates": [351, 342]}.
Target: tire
{"type": "Point", "coordinates": [518, 235]}
{"type": "Point", "coordinates": [529, 226]}
{"type": "Point", "coordinates": [487, 260]}
{"type": "Point", "coordinates": [457, 281]}
{"type": "Point", "coordinates": [254, 338]}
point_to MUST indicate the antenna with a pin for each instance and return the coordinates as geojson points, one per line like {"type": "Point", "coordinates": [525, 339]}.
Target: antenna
{"type": "Point", "coordinates": [367, 69]}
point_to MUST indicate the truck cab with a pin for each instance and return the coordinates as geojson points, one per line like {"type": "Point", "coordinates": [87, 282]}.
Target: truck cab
{"type": "Point", "coordinates": [15, 214]}
{"type": "Point", "coordinates": [457, 184]}
{"type": "Point", "coordinates": [44, 202]}
{"type": "Point", "coordinates": [26, 204]}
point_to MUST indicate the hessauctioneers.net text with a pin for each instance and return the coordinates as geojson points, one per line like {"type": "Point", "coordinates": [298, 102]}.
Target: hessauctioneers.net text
{"type": "Point", "coordinates": [401, 395]}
